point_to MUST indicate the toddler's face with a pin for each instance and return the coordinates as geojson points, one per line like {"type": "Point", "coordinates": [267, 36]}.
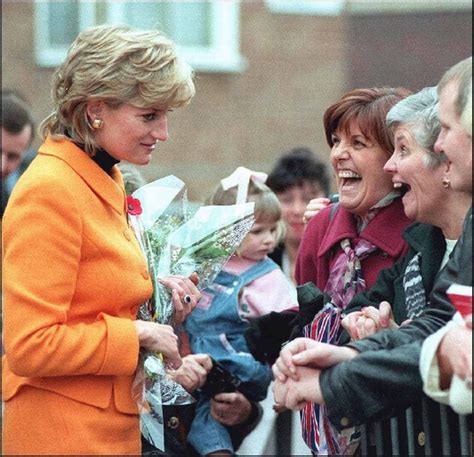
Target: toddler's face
{"type": "Point", "coordinates": [260, 241]}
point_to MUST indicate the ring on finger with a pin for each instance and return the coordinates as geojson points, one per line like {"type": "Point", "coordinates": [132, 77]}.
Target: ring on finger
{"type": "Point", "coordinates": [186, 299]}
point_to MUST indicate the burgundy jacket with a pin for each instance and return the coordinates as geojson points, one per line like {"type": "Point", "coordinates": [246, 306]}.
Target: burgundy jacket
{"type": "Point", "coordinates": [320, 245]}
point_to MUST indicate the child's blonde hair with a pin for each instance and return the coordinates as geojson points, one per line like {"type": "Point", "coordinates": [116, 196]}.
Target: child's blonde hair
{"type": "Point", "coordinates": [267, 205]}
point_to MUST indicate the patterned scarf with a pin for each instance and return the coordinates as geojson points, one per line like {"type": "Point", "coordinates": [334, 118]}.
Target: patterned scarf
{"type": "Point", "coordinates": [345, 281]}
{"type": "Point", "coordinates": [346, 278]}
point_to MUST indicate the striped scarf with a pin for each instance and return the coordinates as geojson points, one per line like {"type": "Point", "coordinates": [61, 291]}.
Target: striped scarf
{"type": "Point", "coordinates": [415, 298]}
{"type": "Point", "coordinates": [345, 281]}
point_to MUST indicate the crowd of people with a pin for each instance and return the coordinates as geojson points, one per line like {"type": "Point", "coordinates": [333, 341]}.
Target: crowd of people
{"type": "Point", "coordinates": [375, 260]}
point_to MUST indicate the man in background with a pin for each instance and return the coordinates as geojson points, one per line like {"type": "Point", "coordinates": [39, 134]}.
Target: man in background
{"type": "Point", "coordinates": [17, 135]}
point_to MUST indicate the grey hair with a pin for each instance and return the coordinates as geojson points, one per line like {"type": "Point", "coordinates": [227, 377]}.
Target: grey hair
{"type": "Point", "coordinates": [419, 112]}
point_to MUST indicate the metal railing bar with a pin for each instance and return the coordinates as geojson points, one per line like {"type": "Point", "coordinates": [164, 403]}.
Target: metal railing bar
{"type": "Point", "coordinates": [410, 431]}
{"type": "Point", "coordinates": [445, 444]}
{"type": "Point", "coordinates": [464, 436]}
{"type": "Point", "coordinates": [364, 440]}
{"type": "Point", "coordinates": [394, 436]}
{"type": "Point", "coordinates": [379, 447]}
{"type": "Point", "coordinates": [426, 426]}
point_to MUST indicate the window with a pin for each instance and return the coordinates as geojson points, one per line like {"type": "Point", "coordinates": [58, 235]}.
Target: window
{"type": "Point", "coordinates": [207, 33]}
{"type": "Point", "coordinates": [309, 7]}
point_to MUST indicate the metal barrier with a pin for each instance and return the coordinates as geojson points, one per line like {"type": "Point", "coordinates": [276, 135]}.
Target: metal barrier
{"type": "Point", "coordinates": [426, 429]}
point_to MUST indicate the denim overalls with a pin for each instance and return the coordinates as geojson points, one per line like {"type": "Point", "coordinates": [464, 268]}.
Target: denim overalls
{"type": "Point", "coordinates": [215, 327]}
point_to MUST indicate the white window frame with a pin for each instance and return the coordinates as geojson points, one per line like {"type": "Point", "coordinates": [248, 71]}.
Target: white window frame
{"type": "Point", "coordinates": [48, 55]}
{"type": "Point", "coordinates": [307, 7]}
{"type": "Point", "coordinates": [222, 55]}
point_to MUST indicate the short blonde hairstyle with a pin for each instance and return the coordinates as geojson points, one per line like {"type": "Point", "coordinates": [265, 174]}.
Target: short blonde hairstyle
{"type": "Point", "coordinates": [117, 65]}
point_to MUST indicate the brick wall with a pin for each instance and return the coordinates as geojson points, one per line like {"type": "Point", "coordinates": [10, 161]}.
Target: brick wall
{"type": "Point", "coordinates": [297, 66]}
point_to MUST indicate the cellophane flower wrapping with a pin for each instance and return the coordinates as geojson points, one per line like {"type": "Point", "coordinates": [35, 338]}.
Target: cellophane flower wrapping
{"type": "Point", "coordinates": [177, 239]}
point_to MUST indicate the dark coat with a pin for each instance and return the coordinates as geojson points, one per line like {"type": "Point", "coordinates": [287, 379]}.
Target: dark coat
{"type": "Point", "coordinates": [385, 377]}
{"type": "Point", "coordinates": [421, 238]}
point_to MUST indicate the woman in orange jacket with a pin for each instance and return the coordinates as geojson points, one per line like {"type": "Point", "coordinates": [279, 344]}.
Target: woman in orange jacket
{"type": "Point", "coordinates": [73, 272]}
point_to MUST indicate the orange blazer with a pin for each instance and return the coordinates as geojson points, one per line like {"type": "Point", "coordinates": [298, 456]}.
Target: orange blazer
{"type": "Point", "coordinates": [73, 278]}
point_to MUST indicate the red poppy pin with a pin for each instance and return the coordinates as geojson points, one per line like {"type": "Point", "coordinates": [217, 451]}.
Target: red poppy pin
{"type": "Point", "coordinates": [134, 207]}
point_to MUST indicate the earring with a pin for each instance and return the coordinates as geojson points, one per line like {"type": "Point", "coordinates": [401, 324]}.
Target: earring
{"type": "Point", "coordinates": [446, 183]}
{"type": "Point", "coordinates": [97, 124]}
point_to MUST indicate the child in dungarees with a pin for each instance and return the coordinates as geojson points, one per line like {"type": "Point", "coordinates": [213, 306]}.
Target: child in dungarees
{"type": "Point", "coordinates": [250, 285]}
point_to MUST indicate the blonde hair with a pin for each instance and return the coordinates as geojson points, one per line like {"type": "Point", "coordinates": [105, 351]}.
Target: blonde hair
{"type": "Point", "coordinates": [267, 205]}
{"type": "Point", "coordinates": [117, 65]}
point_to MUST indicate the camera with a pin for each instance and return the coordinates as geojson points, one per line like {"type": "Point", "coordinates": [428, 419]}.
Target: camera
{"type": "Point", "coordinates": [220, 380]}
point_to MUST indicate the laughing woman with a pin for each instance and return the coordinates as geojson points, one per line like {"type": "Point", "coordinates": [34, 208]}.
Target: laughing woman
{"type": "Point", "coordinates": [367, 223]}
{"type": "Point", "coordinates": [346, 245]}
{"type": "Point", "coordinates": [73, 273]}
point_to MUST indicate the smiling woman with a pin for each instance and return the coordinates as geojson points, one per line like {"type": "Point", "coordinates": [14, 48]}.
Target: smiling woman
{"type": "Point", "coordinates": [72, 337]}
{"type": "Point", "coordinates": [127, 132]}
{"type": "Point", "coordinates": [345, 247]}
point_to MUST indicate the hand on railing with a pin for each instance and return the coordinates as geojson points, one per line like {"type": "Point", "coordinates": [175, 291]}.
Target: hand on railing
{"type": "Point", "coordinates": [369, 320]}
{"type": "Point", "coordinates": [310, 353]}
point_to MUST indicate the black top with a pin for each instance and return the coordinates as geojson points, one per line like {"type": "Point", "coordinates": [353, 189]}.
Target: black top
{"type": "Point", "coordinates": [104, 160]}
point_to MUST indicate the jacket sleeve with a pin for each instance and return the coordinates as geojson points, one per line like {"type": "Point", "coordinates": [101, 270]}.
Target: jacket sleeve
{"type": "Point", "coordinates": [306, 267]}
{"type": "Point", "coordinates": [42, 254]}
{"type": "Point", "coordinates": [382, 290]}
{"type": "Point", "coordinates": [373, 386]}
{"type": "Point", "coordinates": [439, 310]}
{"type": "Point", "coordinates": [386, 374]}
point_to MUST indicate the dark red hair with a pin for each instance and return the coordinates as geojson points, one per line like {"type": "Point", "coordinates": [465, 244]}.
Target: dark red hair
{"type": "Point", "coordinates": [368, 107]}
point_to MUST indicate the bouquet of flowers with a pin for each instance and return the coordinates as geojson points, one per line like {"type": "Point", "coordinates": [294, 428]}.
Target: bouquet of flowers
{"type": "Point", "coordinates": [177, 239]}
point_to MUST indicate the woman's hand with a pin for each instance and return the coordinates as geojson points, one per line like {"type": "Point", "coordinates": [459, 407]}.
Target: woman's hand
{"type": "Point", "coordinates": [314, 207]}
{"type": "Point", "coordinates": [159, 338]}
{"type": "Point", "coordinates": [193, 371]}
{"type": "Point", "coordinates": [184, 293]}
{"type": "Point", "coordinates": [369, 320]}
{"type": "Point", "coordinates": [294, 394]}
{"type": "Point", "coordinates": [307, 352]}
{"type": "Point", "coordinates": [230, 408]}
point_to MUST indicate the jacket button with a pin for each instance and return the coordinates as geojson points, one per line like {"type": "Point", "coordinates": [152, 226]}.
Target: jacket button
{"type": "Point", "coordinates": [127, 235]}
{"type": "Point", "coordinates": [421, 438]}
{"type": "Point", "coordinates": [344, 421]}
{"type": "Point", "coordinates": [173, 422]}
{"type": "Point", "coordinates": [145, 274]}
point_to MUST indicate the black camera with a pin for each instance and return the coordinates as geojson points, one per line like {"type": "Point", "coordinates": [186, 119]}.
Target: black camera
{"type": "Point", "coordinates": [220, 380]}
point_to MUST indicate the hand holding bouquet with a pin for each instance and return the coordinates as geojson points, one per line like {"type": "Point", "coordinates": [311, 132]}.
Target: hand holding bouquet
{"type": "Point", "coordinates": [178, 241]}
